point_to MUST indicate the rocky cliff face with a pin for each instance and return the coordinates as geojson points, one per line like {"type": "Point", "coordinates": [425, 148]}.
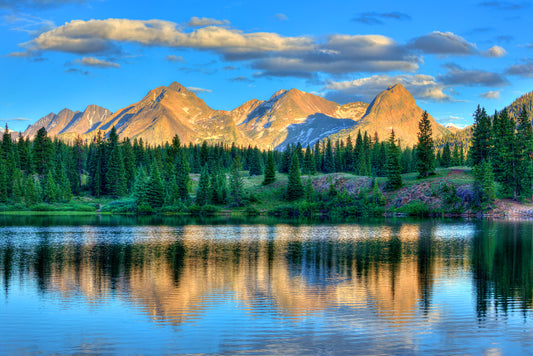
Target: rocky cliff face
{"type": "Point", "coordinates": [393, 109]}
{"type": "Point", "coordinates": [67, 124]}
{"type": "Point", "coordinates": [288, 117]}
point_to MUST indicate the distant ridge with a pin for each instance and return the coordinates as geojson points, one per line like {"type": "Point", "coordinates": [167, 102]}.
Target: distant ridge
{"type": "Point", "coordinates": [287, 117]}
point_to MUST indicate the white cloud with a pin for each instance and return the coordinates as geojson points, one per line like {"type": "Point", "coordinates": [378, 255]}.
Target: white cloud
{"type": "Point", "coordinates": [95, 62]}
{"type": "Point", "coordinates": [174, 58]}
{"type": "Point", "coordinates": [282, 17]}
{"type": "Point", "coordinates": [270, 53]}
{"type": "Point", "coordinates": [443, 43]}
{"type": "Point", "coordinates": [492, 94]}
{"type": "Point", "coordinates": [495, 51]}
{"type": "Point", "coordinates": [420, 85]}
{"type": "Point", "coordinates": [199, 90]}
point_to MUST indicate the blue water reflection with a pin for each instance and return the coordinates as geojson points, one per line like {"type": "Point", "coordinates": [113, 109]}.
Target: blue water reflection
{"type": "Point", "coordinates": [400, 287]}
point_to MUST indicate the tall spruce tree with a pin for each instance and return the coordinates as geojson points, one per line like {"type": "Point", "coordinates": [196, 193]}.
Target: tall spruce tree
{"type": "Point", "coordinates": [524, 135]}
{"type": "Point", "coordinates": [446, 158]}
{"type": "Point", "coordinates": [425, 148]}
{"type": "Point", "coordinates": [295, 189]}
{"type": "Point", "coordinates": [481, 137]}
{"type": "Point", "coordinates": [394, 168]}
{"type": "Point", "coordinates": [202, 193]}
{"type": "Point", "coordinates": [115, 178]}
{"type": "Point", "coordinates": [270, 172]}
{"type": "Point", "coordinates": [154, 191]}
{"type": "Point", "coordinates": [236, 185]}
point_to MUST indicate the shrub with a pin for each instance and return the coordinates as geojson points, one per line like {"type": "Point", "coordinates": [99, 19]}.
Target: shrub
{"type": "Point", "coordinates": [415, 208]}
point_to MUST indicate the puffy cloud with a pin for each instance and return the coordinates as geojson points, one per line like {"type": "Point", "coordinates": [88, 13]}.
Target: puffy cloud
{"type": "Point", "coordinates": [495, 51]}
{"type": "Point", "coordinates": [174, 58]}
{"type": "Point", "coordinates": [282, 17]}
{"type": "Point", "coordinates": [270, 53]}
{"type": "Point", "coordinates": [524, 69]}
{"type": "Point", "coordinates": [204, 21]}
{"type": "Point", "coordinates": [443, 43]}
{"type": "Point", "coordinates": [459, 76]}
{"type": "Point", "coordinates": [341, 54]}
{"type": "Point", "coordinates": [491, 94]}
{"type": "Point", "coordinates": [419, 85]}
{"type": "Point", "coordinates": [199, 90]}
{"type": "Point", "coordinates": [376, 18]}
{"type": "Point", "coordinates": [95, 62]}
{"type": "Point", "coordinates": [95, 36]}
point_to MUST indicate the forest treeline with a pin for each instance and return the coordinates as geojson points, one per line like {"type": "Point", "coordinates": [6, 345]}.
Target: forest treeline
{"type": "Point", "coordinates": [154, 178]}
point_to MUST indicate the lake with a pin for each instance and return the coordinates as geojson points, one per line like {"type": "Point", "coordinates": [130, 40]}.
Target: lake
{"type": "Point", "coordinates": [126, 285]}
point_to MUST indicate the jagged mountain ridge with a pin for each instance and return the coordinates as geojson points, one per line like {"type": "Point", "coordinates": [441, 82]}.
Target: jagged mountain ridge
{"type": "Point", "coordinates": [393, 109]}
{"type": "Point", "coordinates": [289, 116]}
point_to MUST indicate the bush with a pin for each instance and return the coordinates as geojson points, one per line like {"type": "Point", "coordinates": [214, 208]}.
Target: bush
{"type": "Point", "coordinates": [202, 210]}
{"type": "Point", "coordinates": [120, 206]}
{"type": "Point", "coordinates": [144, 209]}
{"type": "Point", "coordinates": [251, 211]}
{"type": "Point", "coordinates": [415, 208]}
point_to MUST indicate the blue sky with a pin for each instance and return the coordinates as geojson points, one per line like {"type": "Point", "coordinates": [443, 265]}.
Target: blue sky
{"type": "Point", "coordinates": [452, 55]}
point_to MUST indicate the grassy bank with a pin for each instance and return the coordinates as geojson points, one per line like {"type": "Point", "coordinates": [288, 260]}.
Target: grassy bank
{"type": "Point", "coordinates": [447, 193]}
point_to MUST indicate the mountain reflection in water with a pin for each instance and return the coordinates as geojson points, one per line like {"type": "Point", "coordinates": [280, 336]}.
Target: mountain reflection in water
{"type": "Point", "coordinates": [417, 278]}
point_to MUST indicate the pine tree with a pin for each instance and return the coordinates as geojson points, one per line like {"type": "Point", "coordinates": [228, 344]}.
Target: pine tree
{"type": "Point", "coordinates": [50, 192]}
{"type": "Point", "coordinates": [31, 195]}
{"type": "Point", "coordinates": [481, 137]}
{"type": "Point", "coordinates": [202, 193]}
{"type": "Point", "coordinates": [3, 183]}
{"type": "Point", "coordinates": [295, 189]}
{"type": "Point", "coordinates": [446, 158]}
{"type": "Point", "coordinates": [115, 179]}
{"type": "Point", "coordinates": [236, 190]}
{"type": "Point", "coordinates": [425, 147]}
{"type": "Point", "coordinates": [309, 190]}
{"type": "Point", "coordinates": [524, 138]}
{"type": "Point", "coordinates": [183, 180]}
{"type": "Point", "coordinates": [255, 162]}
{"type": "Point", "coordinates": [139, 186]}
{"type": "Point", "coordinates": [329, 163]}
{"type": "Point", "coordinates": [270, 172]}
{"type": "Point", "coordinates": [129, 163]}
{"type": "Point", "coordinates": [484, 189]}
{"type": "Point", "coordinates": [394, 168]}
{"type": "Point", "coordinates": [154, 191]}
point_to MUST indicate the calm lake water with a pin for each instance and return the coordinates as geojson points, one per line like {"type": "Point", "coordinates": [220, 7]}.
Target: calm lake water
{"type": "Point", "coordinates": [115, 285]}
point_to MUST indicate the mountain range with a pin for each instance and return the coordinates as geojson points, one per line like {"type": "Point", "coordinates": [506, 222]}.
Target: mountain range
{"type": "Point", "coordinates": [288, 117]}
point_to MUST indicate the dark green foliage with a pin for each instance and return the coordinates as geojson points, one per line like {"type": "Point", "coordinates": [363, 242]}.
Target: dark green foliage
{"type": "Point", "coordinates": [115, 177]}
{"type": "Point", "coordinates": [218, 187]}
{"type": "Point", "coordinates": [270, 172]}
{"type": "Point", "coordinates": [484, 189]}
{"type": "Point", "coordinates": [481, 137]}
{"type": "Point", "coordinates": [295, 189]}
{"type": "Point", "coordinates": [42, 151]}
{"type": "Point", "coordinates": [394, 168]}
{"type": "Point", "coordinates": [236, 186]}
{"type": "Point", "coordinates": [202, 193]}
{"type": "Point", "coordinates": [3, 182]}
{"type": "Point", "coordinates": [329, 163]}
{"type": "Point", "coordinates": [425, 147]}
{"type": "Point", "coordinates": [154, 193]}
{"type": "Point", "coordinates": [256, 168]}
{"type": "Point", "coordinates": [446, 158]}
{"type": "Point", "coordinates": [50, 189]}
{"type": "Point", "coordinates": [183, 180]}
